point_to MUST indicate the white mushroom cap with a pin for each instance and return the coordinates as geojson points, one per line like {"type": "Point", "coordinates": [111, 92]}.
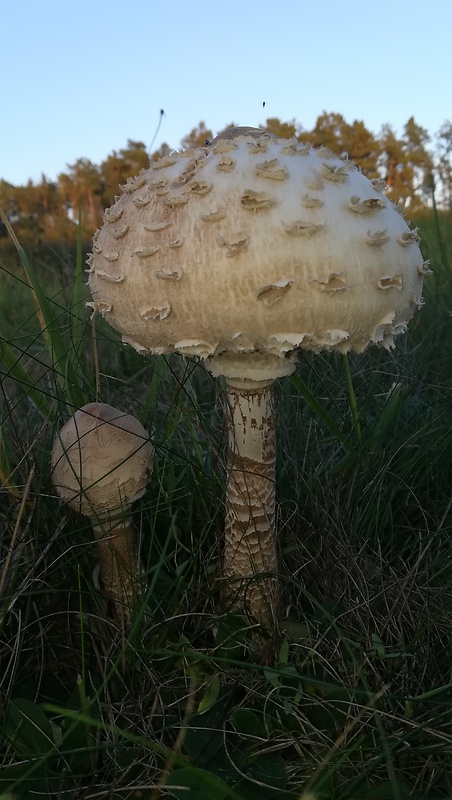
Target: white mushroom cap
{"type": "Point", "coordinates": [255, 245]}
{"type": "Point", "coordinates": [101, 460]}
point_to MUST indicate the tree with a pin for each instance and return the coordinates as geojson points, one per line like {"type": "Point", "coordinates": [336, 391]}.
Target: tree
{"type": "Point", "coordinates": [51, 214]}
{"type": "Point", "coordinates": [197, 137]}
{"type": "Point", "coordinates": [394, 168]}
{"type": "Point", "coordinates": [328, 131]}
{"type": "Point", "coordinates": [164, 150]}
{"type": "Point", "coordinates": [286, 130]}
{"type": "Point", "coordinates": [415, 139]}
{"type": "Point", "coordinates": [119, 166]}
{"type": "Point", "coordinates": [362, 147]}
{"type": "Point", "coordinates": [80, 188]}
{"type": "Point", "coordinates": [332, 131]}
{"type": "Point", "coordinates": [444, 163]}
{"type": "Point", "coordinates": [35, 210]}
{"type": "Point", "coordinates": [7, 199]}
{"type": "Point", "coordinates": [406, 165]}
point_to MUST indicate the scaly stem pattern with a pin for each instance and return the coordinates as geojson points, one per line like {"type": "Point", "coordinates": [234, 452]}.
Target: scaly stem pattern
{"type": "Point", "coordinates": [119, 564]}
{"type": "Point", "coordinates": [250, 550]}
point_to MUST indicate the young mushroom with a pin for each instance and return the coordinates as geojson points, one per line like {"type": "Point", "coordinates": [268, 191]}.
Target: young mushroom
{"type": "Point", "coordinates": [241, 253]}
{"type": "Point", "coordinates": [101, 463]}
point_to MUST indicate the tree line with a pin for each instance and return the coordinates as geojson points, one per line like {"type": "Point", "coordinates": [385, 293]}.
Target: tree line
{"type": "Point", "coordinates": [416, 168]}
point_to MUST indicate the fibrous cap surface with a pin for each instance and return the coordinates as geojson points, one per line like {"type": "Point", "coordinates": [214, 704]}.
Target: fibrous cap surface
{"type": "Point", "coordinates": [254, 245]}
{"type": "Point", "coordinates": [101, 460]}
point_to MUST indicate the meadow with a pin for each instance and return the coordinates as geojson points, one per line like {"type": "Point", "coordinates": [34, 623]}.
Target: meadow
{"type": "Point", "coordinates": [350, 698]}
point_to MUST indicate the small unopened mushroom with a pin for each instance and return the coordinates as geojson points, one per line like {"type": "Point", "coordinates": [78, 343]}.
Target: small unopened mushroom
{"type": "Point", "coordinates": [281, 247]}
{"type": "Point", "coordinates": [101, 463]}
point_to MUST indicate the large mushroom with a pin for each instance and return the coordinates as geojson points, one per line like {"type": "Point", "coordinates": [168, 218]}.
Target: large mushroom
{"type": "Point", "coordinates": [240, 253]}
{"type": "Point", "coordinates": [101, 463]}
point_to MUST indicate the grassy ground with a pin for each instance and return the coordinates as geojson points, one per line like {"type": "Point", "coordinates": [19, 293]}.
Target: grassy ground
{"type": "Point", "coordinates": [352, 696]}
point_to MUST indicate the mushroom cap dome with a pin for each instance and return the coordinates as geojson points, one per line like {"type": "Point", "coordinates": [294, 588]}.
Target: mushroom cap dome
{"type": "Point", "coordinates": [254, 244]}
{"type": "Point", "coordinates": [101, 460]}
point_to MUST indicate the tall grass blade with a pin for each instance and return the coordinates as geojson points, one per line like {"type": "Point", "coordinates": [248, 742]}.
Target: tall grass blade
{"type": "Point", "coordinates": [67, 375]}
{"type": "Point", "coordinates": [78, 317]}
{"type": "Point", "coordinates": [352, 399]}
{"type": "Point", "coordinates": [439, 236]}
{"type": "Point", "coordinates": [320, 410]}
{"type": "Point", "coordinates": [5, 467]}
{"type": "Point", "coordinates": [22, 378]}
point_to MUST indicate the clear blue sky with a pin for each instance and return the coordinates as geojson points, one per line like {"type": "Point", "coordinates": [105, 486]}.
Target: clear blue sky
{"type": "Point", "coordinates": [80, 78]}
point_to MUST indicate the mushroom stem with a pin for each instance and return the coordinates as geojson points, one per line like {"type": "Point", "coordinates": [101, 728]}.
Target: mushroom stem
{"type": "Point", "coordinates": [119, 562]}
{"type": "Point", "coordinates": [250, 552]}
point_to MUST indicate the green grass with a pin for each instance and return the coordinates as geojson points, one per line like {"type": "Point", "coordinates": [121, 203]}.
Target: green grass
{"type": "Point", "coordinates": [352, 697]}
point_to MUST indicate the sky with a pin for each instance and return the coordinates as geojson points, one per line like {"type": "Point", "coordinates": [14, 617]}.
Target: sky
{"type": "Point", "coordinates": [78, 79]}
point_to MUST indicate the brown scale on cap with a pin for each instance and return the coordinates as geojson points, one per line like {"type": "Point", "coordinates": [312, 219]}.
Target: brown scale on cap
{"type": "Point", "coordinates": [281, 247]}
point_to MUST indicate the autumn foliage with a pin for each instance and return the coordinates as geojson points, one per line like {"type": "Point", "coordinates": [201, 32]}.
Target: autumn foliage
{"type": "Point", "coordinates": [412, 166]}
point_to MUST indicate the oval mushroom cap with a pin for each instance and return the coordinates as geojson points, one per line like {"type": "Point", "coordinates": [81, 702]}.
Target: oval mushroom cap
{"type": "Point", "coordinates": [254, 244]}
{"type": "Point", "coordinates": [101, 460]}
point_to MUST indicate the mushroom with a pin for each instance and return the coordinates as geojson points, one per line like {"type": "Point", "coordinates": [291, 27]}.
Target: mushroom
{"type": "Point", "coordinates": [101, 463]}
{"type": "Point", "coordinates": [241, 253]}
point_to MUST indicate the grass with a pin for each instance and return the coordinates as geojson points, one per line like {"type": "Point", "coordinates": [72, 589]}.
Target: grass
{"type": "Point", "coordinates": [351, 699]}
